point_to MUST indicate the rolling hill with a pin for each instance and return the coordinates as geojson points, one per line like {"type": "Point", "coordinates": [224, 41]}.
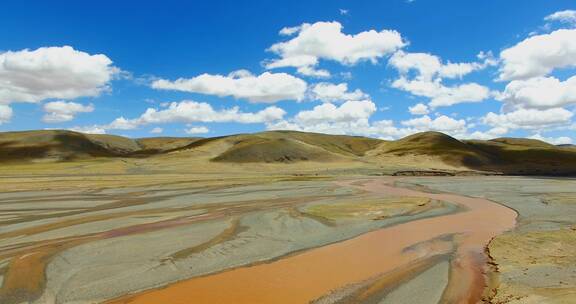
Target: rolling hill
{"type": "Point", "coordinates": [291, 146]}
{"type": "Point", "coordinates": [418, 151]}
{"type": "Point", "coordinates": [62, 145]}
{"type": "Point", "coordinates": [438, 145]}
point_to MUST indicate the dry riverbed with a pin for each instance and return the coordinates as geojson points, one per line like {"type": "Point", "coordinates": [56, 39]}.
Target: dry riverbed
{"type": "Point", "coordinates": [274, 239]}
{"type": "Point", "coordinates": [535, 262]}
{"type": "Point", "coordinates": [88, 245]}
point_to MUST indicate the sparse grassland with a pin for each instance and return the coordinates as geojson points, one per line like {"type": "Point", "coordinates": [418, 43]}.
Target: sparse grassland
{"type": "Point", "coordinates": [370, 209]}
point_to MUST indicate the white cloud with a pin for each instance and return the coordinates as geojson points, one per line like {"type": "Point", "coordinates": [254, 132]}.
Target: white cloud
{"type": "Point", "coordinates": [540, 92]}
{"type": "Point", "coordinates": [5, 114]}
{"type": "Point", "coordinates": [419, 109]}
{"type": "Point", "coordinates": [490, 134]}
{"type": "Point", "coordinates": [441, 95]}
{"type": "Point", "coordinates": [429, 66]}
{"type": "Point", "coordinates": [349, 111]}
{"type": "Point", "coordinates": [122, 123]}
{"type": "Point", "coordinates": [61, 111]}
{"type": "Point", "coordinates": [325, 40]}
{"type": "Point", "coordinates": [329, 92]}
{"type": "Point", "coordinates": [52, 72]}
{"type": "Point", "coordinates": [191, 111]}
{"type": "Point", "coordinates": [353, 117]}
{"type": "Point", "coordinates": [441, 123]}
{"type": "Point", "coordinates": [350, 117]}
{"type": "Point", "coordinates": [429, 73]}
{"type": "Point", "coordinates": [289, 31]}
{"type": "Point", "coordinates": [529, 118]}
{"type": "Point", "coordinates": [313, 72]}
{"type": "Point", "coordinates": [386, 130]}
{"type": "Point", "coordinates": [264, 88]}
{"type": "Point", "coordinates": [562, 140]}
{"type": "Point", "coordinates": [344, 11]}
{"type": "Point", "coordinates": [89, 129]}
{"type": "Point", "coordinates": [539, 55]}
{"type": "Point", "coordinates": [567, 16]}
{"type": "Point", "coordinates": [197, 130]}
{"type": "Point", "coordinates": [157, 130]}
{"type": "Point", "coordinates": [346, 75]}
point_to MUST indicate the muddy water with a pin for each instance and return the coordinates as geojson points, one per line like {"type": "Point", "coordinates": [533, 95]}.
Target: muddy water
{"type": "Point", "coordinates": [310, 275]}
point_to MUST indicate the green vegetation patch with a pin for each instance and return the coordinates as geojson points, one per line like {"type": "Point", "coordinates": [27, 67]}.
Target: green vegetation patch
{"type": "Point", "coordinates": [373, 209]}
{"type": "Point", "coordinates": [559, 198]}
{"type": "Point", "coordinates": [556, 247]}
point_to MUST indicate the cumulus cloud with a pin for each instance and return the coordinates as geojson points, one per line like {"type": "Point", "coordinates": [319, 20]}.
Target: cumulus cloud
{"type": "Point", "coordinates": [157, 130]}
{"type": "Point", "coordinates": [313, 72]}
{"type": "Point", "coordinates": [441, 95]}
{"type": "Point", "coordinates": [429, 71]}
{"type": "Point", "coordinates": [429, 66]}
{"type": "Point", "coordinates": [289, 31]}
{"type": "Point", "coordinates": [562, 140]}
{"type": "Point", "coordinates": [264, 88]}
{"type": "Point", "coordinates": [329, 92]}
{"type": "Point", "coordinates": [349, 111]}
{"type": "Point", "coordinates": [325, 40]}
{"type": "Point", "coordinates": [529, 118]}
{"type": "Point", "coordinates": [89, 129]}
{"type": "Point", "coordinates": [539, 55]}
{"type": "Point", "coordinates": [197, 130]}
{"type": "Point", "coordinates": [490, 134]}
{"type": "Point", "coordinates": [441, 123]}
{"type": "Point", "coordinates": [188, 111]}
{"type": "Point", "coordinates": [419, 109]}
{"type": "Point", "coordinates": [53, 72]}
{"type": "Point", "coordinates": [351, 116]}
{"type": "Point", "coordinates": [566, 16]}
{"type": "Point", "coordinates": [540, 92]}
{"type": "Point", "coordinates": [61, 111]}
{"type": "Point", "coordinates": [5, 114]}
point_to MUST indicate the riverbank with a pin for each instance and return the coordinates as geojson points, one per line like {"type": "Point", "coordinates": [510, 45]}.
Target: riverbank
{"type": "Point", "coordinates": [334, 273]}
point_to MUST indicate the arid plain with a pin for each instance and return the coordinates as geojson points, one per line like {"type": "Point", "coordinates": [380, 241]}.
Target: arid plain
{"type": "Point", "coordinates": [285, 217]}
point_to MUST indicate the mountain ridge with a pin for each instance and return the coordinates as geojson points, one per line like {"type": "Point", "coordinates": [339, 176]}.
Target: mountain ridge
{"type": "Point", "coordinates": [504, 155]}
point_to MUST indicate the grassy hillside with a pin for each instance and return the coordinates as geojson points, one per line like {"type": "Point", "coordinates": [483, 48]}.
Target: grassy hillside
{"type": "Point", "coordinates": [62, 145]}
{"type": "Point", "coordinates": [448, 149]}
{"type": "Point", "coordinates": [339, 144]}
{"type": "Point", "coordinates": [53, 145]}
{"type": "Point", "coordinates": [522, 156]}
{"type": "Point", "coordinates": [251, 150]}
{"type": "Point", "coordinates": [423, 150]}
{"type": "Point", "coordinates": [165, 143]}
{"type": "Point", "coordinates": [290, 146]}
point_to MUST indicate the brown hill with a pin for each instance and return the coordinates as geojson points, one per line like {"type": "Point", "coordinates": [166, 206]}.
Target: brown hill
{"type": "Point", "coordinates": [527, 157]}
{"type": "Point", "coordinates": [435, 144]}
{"type": "Point", "coordinates": [290, 146]}
{"type": "Point", "coordinates": [63, 145]}
{"type": "Point", "coordinates": [506, 155]}
{"type": "Point", "coordinates": [52, 145]}
{"type": "Point", "coordinates": [423, 150]}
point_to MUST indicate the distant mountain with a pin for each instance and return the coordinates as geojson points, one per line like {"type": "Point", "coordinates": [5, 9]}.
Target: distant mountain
{"type": "Point", "coordinates": [61, 145]}
{"type": "Point", "coordinates": [437, 145]}
{"type": "Point", "coordinates": [418, 151]}
{"type": "Point", "coordinates": [290, 146]}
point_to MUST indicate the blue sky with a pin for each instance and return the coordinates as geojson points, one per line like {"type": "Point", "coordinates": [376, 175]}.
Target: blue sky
{"type": "Point", "coordinates": [382, 57]}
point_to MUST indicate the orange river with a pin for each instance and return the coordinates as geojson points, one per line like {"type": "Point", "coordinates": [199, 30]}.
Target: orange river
{"type": "Point", "coordinates": [305, 276]}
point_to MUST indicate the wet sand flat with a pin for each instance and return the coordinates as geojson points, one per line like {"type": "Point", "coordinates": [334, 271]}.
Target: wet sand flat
{"type": "Point", "coordinates": [106, 243]}
{"type": "Point", "coordinates": [536, 261]}
{"type": "Point", "coordinates": [303, 277]}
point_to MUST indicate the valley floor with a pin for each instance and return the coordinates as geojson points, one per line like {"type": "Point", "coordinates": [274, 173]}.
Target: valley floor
{"type": "Point", "coordinates": [172, 237]}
